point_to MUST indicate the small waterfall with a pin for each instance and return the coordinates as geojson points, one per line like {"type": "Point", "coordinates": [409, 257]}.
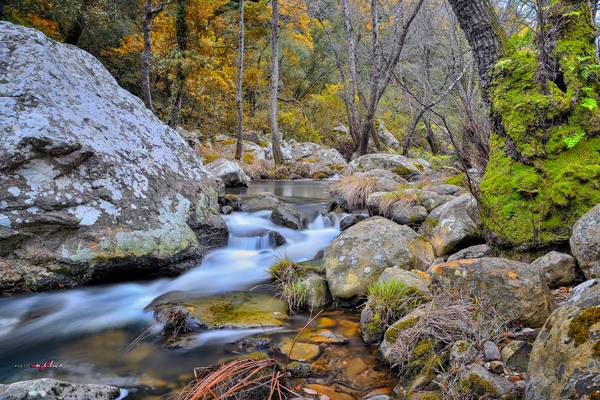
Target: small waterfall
{"type": "Point", "coordinates": [321, 222]}
{"type": "Point", "coordinates": [260, 242]}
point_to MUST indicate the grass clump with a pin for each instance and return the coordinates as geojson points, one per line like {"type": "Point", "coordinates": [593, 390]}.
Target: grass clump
{"type": "Point", "coordinates": [389, 301]}
{"type": "Point", "coordinates": [287, 280]}
{"type": "Point", "coordinates": [355, 190]}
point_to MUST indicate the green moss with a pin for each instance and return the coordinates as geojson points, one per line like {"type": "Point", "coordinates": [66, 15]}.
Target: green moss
{"type": "Point", "coordinates": [535, 198]}
{"type": "Point", "coordinates": [392, 333]}
{"type": "Point", "coordinates": [458, 180]}
{"type": "Point", "coordinates": [579, 328]}
{"type": "Point", "coordinates": [475, 387]}
{"type": "Point", "coordinates": [248, 158]}
{"type": "Point", "coordinates": [210, 158]}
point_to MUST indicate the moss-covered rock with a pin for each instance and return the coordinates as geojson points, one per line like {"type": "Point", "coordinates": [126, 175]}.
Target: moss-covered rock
{"type": "Point", "coordinates": [564, 361]}
{"type": "Point", "coordinates": [543, 171]}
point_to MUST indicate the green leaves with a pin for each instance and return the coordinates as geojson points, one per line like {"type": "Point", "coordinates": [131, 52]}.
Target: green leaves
{"type": "Point", "coordinates": [589, 103]}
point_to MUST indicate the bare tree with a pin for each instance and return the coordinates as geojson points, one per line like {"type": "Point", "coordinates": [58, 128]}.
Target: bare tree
{"type": "Point", "coordinates": [275, 134]}
{"type": "Point", "coordinates": [239, 86]}
{"type": "Point", "coordinates": [150, 13]}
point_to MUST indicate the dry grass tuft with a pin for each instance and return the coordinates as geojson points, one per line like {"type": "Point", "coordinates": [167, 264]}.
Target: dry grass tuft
{"type": "Point", "coordinates": [448, 318]}
{"type": "Point", "coordinates": [242, 379]}
{"type": "Point", "coordinates": [355, 190]}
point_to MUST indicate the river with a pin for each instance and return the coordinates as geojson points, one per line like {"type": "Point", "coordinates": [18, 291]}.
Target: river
{"type": "Point", "coordinates": [87, 331]}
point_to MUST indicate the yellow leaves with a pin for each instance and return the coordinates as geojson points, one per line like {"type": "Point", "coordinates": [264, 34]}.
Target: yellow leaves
{"type": "Point", "coordinates": [129, 44]}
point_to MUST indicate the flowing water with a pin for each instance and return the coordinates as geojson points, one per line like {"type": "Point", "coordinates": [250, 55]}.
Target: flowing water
{"type": "Point", "coordinates": [87, 330]}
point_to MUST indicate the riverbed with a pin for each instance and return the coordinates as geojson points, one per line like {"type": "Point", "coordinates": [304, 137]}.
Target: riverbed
{"type": "Point", "coordinates": [102, 334]}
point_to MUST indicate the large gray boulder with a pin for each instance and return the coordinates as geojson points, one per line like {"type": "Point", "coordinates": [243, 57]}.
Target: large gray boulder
{"type": "Point", "coordinates": [289, 216]}
{"type": "Point", "coordinates": [93, 186]}
{"type": "Point", "coordinates": [564, 359]}
{"type": "Point", "coordinates": [230, 172]}
{"type": "Point", "coordinates": [558, 269]}
{"type": "Point", "coordinates": [360, 254]}
{"type": "Point", "coordinates": [514, 288]}
{"type": "Point", "coordinates": [51, 389]}
{"type": "Point", "coordinates": [453, 225]}
{"type": "Point", "coordinates": [585, 242]}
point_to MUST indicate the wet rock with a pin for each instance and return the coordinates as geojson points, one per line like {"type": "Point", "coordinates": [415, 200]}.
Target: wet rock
{"type": "Point", "coordinates": [51, 389]}
{"type": "Point", "coordinates": [230, 172]}
{"type": "Point", "coordinates": [357, 257]}
{"type": "Point", "coordinates": [352, 220]}
{"type": "Point", "coordinates": [318, 292]}
{"type": "Point", "coordinates": [478, 251]}
{"type": "Point", "coordinates": [558, 269]}
{"type": "Point", "coordinates": [232, 201]}
{"type": "Point", "coordinates": [453, 226]}
{"type": "Point", "coordinates": [276, 239]}
{"type": "Point", "coordinates": [226, 210]}
{"type": "Point", "coordinates": [328, 337]}
{"type": "Point", "coordinates": [260, 201]}
{"type": "Point", "coordinates": [289, 216]}
{"type": "Point", "coordinates": [329, 392]}
{"type": "Point", "coordinates": [299, 351]}
{"type": "Point", "coordinates": [513, 287]}
{"type": "Point", "coordinates": [490, 351]}
{"type": "Point", "coordinates": [477, 381]}
{"type": "Point", "coordinates": [93, 190]}
{"type": "Point", "coordinates": [564, 359]}
{"type": "Point", "coordinates": [516, 355]}
{"type": "Point", "coordinates": [400, 165]}
{"type": "Point", "coordinates": [585, 243]}
{"type": "Point", "coordinates": [232, 310]}
{"type": "Point", "coordinates": [251, 345]}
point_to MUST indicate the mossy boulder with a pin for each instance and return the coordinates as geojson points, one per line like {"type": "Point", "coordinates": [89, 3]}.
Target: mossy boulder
{"type": "Point", "coordinates": [232, 310]}
{"type": "Point", "coordinates": [318, 293]}
{"type": "Point", "coordinates": [477, 383]}
{"type": "Point", "coordinates": [392, 333]}
{"type": "Point", "coordinates": [357, 257]}
{"type": "Point", "coordinates": [517, 290]}
{"type": "Point", "coordinates": [565, 358]}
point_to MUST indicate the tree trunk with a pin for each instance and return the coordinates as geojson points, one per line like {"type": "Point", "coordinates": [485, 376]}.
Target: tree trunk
{"type": "Point", "coordinates": [543, 168]}
{"type": "Point", "coordinates": [181, 31]}
{"type": "Point", "coordinates": [275, 134]}
{"type": "Point", "coordinates": [239, 99]}
{"type": "Point", "coordinates": [484, 33]}
{"type": "Point", "coordinates": [146, 54]}
{"type": "Point", "coordinates": [354, 123]}
{"type": "Point", "coordinates": [434, 145]}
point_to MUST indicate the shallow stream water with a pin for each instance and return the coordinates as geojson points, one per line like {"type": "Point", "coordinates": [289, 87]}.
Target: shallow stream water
{"type": "Point", "coordinates": [88, 331]}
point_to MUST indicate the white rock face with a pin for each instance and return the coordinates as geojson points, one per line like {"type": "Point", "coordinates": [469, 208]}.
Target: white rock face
{"type": "Point", "coordinates": [91, 178]}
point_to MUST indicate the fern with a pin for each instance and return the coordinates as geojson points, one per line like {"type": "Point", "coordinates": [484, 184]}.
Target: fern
{"type": "Point", "coordinates": [589, 103]}
{"type": "Point", "coordinates": [571, 141]}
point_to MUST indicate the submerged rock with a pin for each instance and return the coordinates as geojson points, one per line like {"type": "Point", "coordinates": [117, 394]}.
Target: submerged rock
{"type": "Point", "coordinates": [51, 389]}
{"type": "Point", "coordinates": [232, 310]}
{"type": "Point", "coordinates": [360, 254]}
{"type": "Point", "coordinates": [230, 172]}
{"type": "Point", "coordinates": [564, 358]}
{"type": "Point", "coordinates": [94, 186]}
{"type": "Point", "coordinates": [585, 243]}
{"type": "Point", "coordinates": [516, 290]}
{"type": "Point", "coordinates": [299, 351]}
